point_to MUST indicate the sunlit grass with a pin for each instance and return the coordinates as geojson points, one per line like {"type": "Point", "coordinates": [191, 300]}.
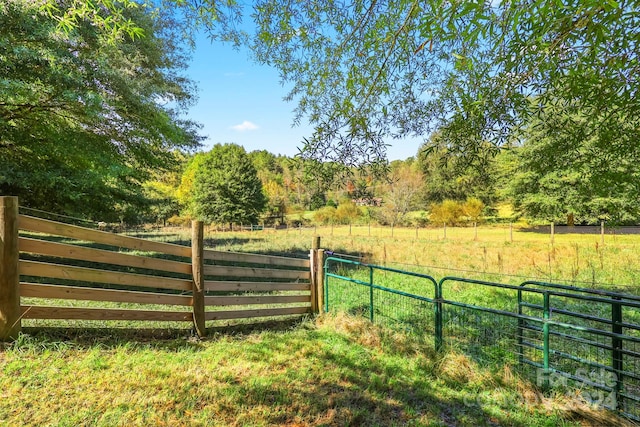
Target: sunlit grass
{"type": "Point", "coordinates": [499, 253]}
{"type": "Point", "coordinates": [335, 371]}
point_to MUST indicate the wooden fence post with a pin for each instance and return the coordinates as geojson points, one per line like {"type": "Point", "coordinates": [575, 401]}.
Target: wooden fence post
{"type": "Point", "coordinates": [10, 314]}
{"type": "Point", "coordinates": [316, 257]}
{"type": "Point", "coordinates": [197, 266]}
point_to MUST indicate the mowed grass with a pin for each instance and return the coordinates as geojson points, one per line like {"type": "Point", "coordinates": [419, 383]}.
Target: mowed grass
{"type": "Point", "coordinates": [336, 370]}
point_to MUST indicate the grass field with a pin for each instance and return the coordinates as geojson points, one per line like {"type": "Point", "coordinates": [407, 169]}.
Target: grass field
{"type": "Point", "coordinates": [490, 252]}
{"type": "Point", "coordinates": [332, 371]}
{"type": "Point", "coordinates": [336, 370]}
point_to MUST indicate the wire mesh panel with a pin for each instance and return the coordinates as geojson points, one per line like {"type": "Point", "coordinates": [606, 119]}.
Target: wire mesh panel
{"type": "Point", "coordinates": [594, 345]}
{"type": "Point", "coordinates": [582, 341]}
{"type": "Point", "coordinates": [481, 320]}
{"type": "Point", "coordinates": [630, 390]}
{"type": "Point", "coordinates": [353, 287]}
{"type": "Point", "coordinates": [401, 311]}
{"type": "Point", "coordinates": [347, 296]}
{"type": "Point", "coordinates": [486, 337]}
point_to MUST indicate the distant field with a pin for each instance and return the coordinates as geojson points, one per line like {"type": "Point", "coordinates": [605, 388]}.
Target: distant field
{"type": "Point", "coordinates": [498, 253]}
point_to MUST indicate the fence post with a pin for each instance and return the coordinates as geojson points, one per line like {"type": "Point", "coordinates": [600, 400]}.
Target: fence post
{"type": "Point", "coordinates": [315, 244]}
{"type": "Point", "coordinates": [439, 342]}
{"type": "Point", "coordinates": [10, 315]}
{"type": "Point", "coordinates": [545, 338]}
{"type": "Point", "coordinates": [616, 349]}
{"type": "Point", "coordinates": [316, 257]}
{"type": "Point", "coordinates": [197, 267]}
{"type": "Point", "coordinates": [371, 294]}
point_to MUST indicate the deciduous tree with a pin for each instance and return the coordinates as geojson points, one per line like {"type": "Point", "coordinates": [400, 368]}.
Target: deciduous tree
{"type": "Point", "coordinates": [226, 187]}
{"type": "Point", "coordinates": [567, 166]}
{"type": "Point", "coordinates": [477, 71]}
{"type": "Point", "coordinates": [401, 195]}
{"type": "Point", "coordinates": [84, 116]}
{"type": "Point", "coordinates": [451, 175]}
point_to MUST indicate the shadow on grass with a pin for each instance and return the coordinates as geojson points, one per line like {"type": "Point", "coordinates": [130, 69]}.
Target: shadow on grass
{"type": "Point", "coordinates": [169, 338]}
{"type": "Point", "coordinates": [297, 374]}
{"type": "Point", "coordinates": [342, 383]}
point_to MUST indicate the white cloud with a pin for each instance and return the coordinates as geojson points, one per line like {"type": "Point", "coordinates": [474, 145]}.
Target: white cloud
{"type": "Point", "coordinates": [245, 126]}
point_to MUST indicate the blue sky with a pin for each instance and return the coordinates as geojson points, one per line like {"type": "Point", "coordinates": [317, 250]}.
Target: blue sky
{"type": "Point", "coordinates": [242, 102]}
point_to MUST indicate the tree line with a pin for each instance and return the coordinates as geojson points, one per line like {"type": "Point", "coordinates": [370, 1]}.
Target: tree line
{"type": "Point", "coordinates": [532, 104]}
{"type": "Point", "coordinates": [229, 185]}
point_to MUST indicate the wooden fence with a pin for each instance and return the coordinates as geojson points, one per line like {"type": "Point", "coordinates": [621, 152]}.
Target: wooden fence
{"type": "Point", "coordinates": [54, 261]}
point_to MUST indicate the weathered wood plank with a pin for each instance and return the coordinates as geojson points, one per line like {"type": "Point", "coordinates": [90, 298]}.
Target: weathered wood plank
{"type": "Point", "coordinates": [62, 250]}
{"type": "Point", "coordinates": [255, 258]}
{"type": "Point", "coordinates": [249, 272]}
{"type": "Point", "coordinates": [213, 285]}
{"type": "Point", "coordinates": [9, 269]}
{"type": "Point", "coordinates": [58, 271]}
{"type": "Point", "coordinates": [75, 313]}
{"type": "Point", "coordinates": [246, 314]}
{"type": "Point", "coordinates": [246, 300]}
{"type": "Point", "coordinates": [51, 227]}
{"type": "Point", "coordinates": [39, 290]}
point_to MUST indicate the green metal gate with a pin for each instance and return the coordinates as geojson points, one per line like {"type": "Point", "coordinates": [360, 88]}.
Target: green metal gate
{"type": "Point", "coordinates": [561, 337]}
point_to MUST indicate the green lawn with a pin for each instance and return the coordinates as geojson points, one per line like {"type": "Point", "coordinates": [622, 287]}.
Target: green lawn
{"type": "Point", "coordinates": [332, 371]}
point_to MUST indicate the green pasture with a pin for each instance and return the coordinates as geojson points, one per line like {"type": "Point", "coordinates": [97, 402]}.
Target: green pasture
{"type": "Point", "coordinates": [334, 370]}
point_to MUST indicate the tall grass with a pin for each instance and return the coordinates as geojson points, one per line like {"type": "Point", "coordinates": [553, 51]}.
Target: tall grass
{"type": "Point", "coordinates": [578, 259]}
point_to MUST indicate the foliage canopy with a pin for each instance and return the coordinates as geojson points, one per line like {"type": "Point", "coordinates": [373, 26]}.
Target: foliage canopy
{"type": "Point", "coordinates": [84, 117]}
{"type": "Point", "coordinates": [476, 71]}
{"type": "Point", "coordinates": [364, 71]}
{"type": "Point", "coordinates": [226, 187]}
{"type": "Point", "coordinates": [554, 177]}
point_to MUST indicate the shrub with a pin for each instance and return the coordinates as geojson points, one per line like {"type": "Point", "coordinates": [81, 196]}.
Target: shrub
{"type": "Point", "coordinates": [325, 215]}
{"type": "Point", "coordinates": [421, 220]}
{"type": "Point", "coordinates": [473, 209]}
{"type": "Point", "coordinates": [179, 221]}
{"type": "Point", "coordinates": [448, 212]}
{"type": "Point", "coordinates": [346, 212]}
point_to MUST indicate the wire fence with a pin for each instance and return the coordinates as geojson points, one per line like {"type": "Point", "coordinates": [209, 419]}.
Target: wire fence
{"type": "Point", "coordinates": [562, 338]}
